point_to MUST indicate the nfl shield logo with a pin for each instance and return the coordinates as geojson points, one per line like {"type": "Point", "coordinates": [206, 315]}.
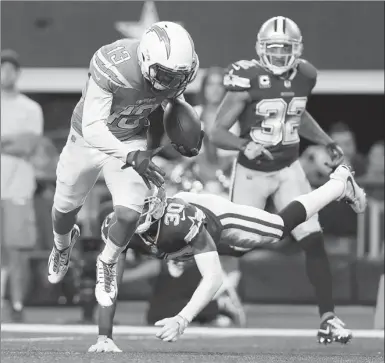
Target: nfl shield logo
{"type": "Point", "coordinates": [287, 84]}
{"type": "Point", "coordinates": [264, 82]}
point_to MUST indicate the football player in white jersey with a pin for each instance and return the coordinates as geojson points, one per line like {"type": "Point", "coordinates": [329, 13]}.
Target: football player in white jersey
{"type": "Point", "coordinates": [128, 80]}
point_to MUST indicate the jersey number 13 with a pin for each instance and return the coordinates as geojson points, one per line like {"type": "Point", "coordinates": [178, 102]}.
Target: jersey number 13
{"type": "Point", "coordinates": [281, 121]}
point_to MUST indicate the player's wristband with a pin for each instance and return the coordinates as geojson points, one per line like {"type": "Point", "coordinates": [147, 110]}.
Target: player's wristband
{"type": "Point", "coordinates": [187, 320]}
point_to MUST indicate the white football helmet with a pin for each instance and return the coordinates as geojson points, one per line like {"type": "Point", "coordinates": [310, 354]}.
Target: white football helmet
{"type": "Point", "coordinates": [279, 44]}
{"type": "Point", "coordinates": [154, 208]}
{"type": "Point", "coordinates": [167, 56]}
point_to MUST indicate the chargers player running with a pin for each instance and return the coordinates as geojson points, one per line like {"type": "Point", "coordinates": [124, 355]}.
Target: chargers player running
{"type": "Point", "coordinates": [200, 226]}
{"type": "Point", "coordinates": [268, 97]}
{"type": "Point", "coordinates": [128, 80]}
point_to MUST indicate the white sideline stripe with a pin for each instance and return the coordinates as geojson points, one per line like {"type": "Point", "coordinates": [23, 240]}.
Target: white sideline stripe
{"type": "Point", "coordinates": [67, 338]}
{"type": "Point", "coordinates": [208, 332]}
{"type": "Point", "coordinates": [62, 80]}
{"type": "Point", "coordinates": [41, 339]}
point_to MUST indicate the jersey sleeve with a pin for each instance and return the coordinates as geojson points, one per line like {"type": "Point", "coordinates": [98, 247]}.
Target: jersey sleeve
{"type": "Point", "coordinates": [110, 66]}
{"type": "Point", "coordinates": [309, 71]}
{"type": "Point", "coordinates": [238, 76]}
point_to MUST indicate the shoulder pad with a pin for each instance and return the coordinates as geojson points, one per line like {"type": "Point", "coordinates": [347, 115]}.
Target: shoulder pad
{"type": "Point", "coordinates": [307, 69]}
{"type": "Point", "coordinates": [239, 75]}
{"type": "Point", "coordinates": [115, 65]}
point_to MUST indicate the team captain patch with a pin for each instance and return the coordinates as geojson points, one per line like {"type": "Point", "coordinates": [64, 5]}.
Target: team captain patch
{"type": "Point", "coordinates": [264, 82]}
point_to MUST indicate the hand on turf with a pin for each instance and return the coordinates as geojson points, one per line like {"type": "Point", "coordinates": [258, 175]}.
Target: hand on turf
{"type": "Point", "coordinates": [253, 150]}
{"type": "Point", "coordinates": [104, 344]}
{"type": "Point", "coordinates": [189, 152]}
{"type": "Point", "coordinates": [336, 155]}
{"type": "Point", "coordinates": [142, 164]}
{"type": "Point", "coordinates": [172, 328]}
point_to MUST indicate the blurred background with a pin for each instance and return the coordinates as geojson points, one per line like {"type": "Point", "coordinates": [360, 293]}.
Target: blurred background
{"type": "Point", "coordinates": [53, 44]}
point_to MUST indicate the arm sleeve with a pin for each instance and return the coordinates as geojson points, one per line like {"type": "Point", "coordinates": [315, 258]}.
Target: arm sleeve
{"type": "Point", "coordinates": [97, 106]}
{"type": "Point", "coordinates": [212, 278]}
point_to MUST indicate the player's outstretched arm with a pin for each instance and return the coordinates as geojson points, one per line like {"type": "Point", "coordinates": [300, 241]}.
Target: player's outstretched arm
{"type": "Point", "coordinates": [311, 130]}
{"type": "Point", "coordinates": [228, 113]}
{"type": "Point", "coordinates": [230, 109]}
{"type": "Point", "coordinates": [207, 260]}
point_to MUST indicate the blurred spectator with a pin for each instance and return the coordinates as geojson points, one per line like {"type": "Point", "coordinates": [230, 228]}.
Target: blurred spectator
{"type": "Point", "coordinates": [344, 137]}
{"type": "Point", "coordinates": [375, 165]}
{"type": "Point", "coordinates": [211, 94]}
{"type": "Point", "coordinates": [373, 180]}
{"type": "Point", "coordinates": [21, 128]}
{"type": "Point", "coordinates": [313, 161]}
{"type": "Point", "coordinates": [207, 168]}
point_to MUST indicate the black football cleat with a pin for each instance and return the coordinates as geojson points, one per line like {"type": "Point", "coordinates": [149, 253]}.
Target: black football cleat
{"type": "Point", "coordinates": [332, 330]}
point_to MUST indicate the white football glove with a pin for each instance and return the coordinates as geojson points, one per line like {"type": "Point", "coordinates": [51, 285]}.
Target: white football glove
{"type": "Point", "coordinates": [103, 345]}
{"type": "Point", "coordinates": [252, 150]}
{"type": "Point", "coordinates": [172, 328]}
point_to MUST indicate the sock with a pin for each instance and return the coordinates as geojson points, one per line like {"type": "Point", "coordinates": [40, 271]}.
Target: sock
{"type": "Point", "coordinates": [62, 241]}
{"type": "Point", "coordinates": [321, 197]}
{"type": "Point", "coordinates": [328, 315]}
{"type": "Point", "coordinates": [292, 215]}
{"type": "Point", "coordinates": [119, 234]}
{"type": "Point", "coordinates": [106, 317]}
{"type": "Point", "coordinates": [318, 271]}
{"type": "Point", "coordinates": [111, 252]}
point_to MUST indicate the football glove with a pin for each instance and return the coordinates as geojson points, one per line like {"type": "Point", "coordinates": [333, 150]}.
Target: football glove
{"type": "Point", "coordinates": [252, 150]}
{"type": "Point", "coordinates": [172, 328]}
{"type": "Point", "coordinates": [336, 155]}
{"type": "Point", "coordinates": [189, 152]}
{"type": "Point", "coordinates": [141, 162]}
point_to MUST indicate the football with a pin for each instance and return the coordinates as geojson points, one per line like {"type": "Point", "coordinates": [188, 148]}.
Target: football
{"type": "Point", "coordinates": [182, 124]}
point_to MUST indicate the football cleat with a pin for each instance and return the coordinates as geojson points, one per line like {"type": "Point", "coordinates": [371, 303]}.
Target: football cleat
{"type": "Point", "coordinates": [59, 260]}
{"type": "Point", "coordinates": [333, 330]}
{"type": "Point", "coordinates": [104, 344]}
{"type": "Point", "coordinates": [106, 289]}
{"type": "Point", "coordinates": [353, 194]}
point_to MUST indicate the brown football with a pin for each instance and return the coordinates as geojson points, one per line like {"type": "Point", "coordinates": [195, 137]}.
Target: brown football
{"type": "Point", "coordinates": [182, 124]}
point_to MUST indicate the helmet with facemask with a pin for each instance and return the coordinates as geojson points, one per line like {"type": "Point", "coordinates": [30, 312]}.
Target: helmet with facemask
{"type": "Point", "coordinates": [153, 210]}
{"type": "Point", "coordinates": [279, 44]}
{"type": "Point", "coordinates": [167, 57]}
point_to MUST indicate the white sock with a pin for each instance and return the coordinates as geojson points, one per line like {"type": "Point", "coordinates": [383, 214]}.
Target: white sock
{"type": "Point", "coordinates": [62, 241]}
{"type": "Point", "coordinates": [321, 197]}
{"type": "Point", "coordinates": [111, 252]}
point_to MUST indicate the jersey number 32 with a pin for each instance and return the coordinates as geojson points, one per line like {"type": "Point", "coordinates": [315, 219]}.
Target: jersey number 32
{"type": "Point", "coordinates": [281, 121]}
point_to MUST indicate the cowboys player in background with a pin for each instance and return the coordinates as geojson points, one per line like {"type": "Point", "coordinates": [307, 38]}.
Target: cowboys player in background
{"type": "Point", "coordinates": [268, 98]}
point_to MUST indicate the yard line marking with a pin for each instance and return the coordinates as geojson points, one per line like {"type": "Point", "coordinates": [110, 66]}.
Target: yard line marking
{"type": "Point", "coordinates": [193, 331]}
{"type": "Point", "coordinates": [40, 339]}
